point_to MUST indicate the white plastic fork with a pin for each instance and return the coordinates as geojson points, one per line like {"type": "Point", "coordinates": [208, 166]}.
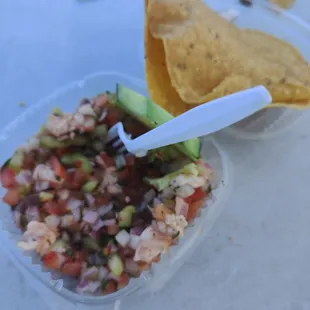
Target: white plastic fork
{"type": "Point", "coordinates": [200, 121]}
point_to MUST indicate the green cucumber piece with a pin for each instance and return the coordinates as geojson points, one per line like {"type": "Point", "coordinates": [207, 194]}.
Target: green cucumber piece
{"type": "Point", "coordinates": [101, 131]}
{"type": "Point", "coordinates": [16, 161]}
{"type": "Point", "coordinates": [90, 244]}
{"type": "Point", "coordinates": [50, 142]}
{"type": "Point", "coordinates": [77, 159]}
{"type": "Point", "coordinates": [60, 244]}
{"type": "Point", "coordinates": [77, 141]}
{"type": "Point", "coordinates": [90, 186]}
{"type": "Point", "coordinates": [56, 111]}
{"type": "Point", "coordinates": [125, 216]}
{"type": "Point", "coordinates": [46, 196]}
{"type": "Point", "coordinates": [116, 264]}
{"type": "Point", "coordinates": [152, 115]}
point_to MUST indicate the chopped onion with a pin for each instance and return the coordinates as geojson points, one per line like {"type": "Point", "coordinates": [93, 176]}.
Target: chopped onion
{"type": "Point", "coordinates": [105, 209]}
{"type": "Point", "coordinates": [88, 286]}
{"type": "Point", "coordinates": [74, 204]}
{"type": "Point", "coordinates": [103, 115]}
{"type": "Point", "coordinates": [90, 216]}
{"type": "Point", "coordinates": [122, 238]}
{"type": "Point", "coordinates": [67, 220]}
{"type": "Point", "coordinates": [110, 222]}
{"type": "Point", "coordinates": [132, 267]}
{"type": "Point", "coordinates": [90, 199]}
{"type": "Point", "coordinates": [52, 221]}
{"type": "Point", "coordinates": [63, 194]}
{"type": "Point", "coordinates": [76, 214]}
{"type": "Point", "coordinates": [149, 196]}
{"type": "Point", "coordinates": [24, 177]}
{"type": "Point", "coordinates": [32, 214]}
{"type": "Point", "coordinates": [137, 231]}
{"type": "Point", "coordinates": [98, 225]}
{"type": "Point", "coordinates": [103, 273]}
{"type": "Point", "coordinates": [156, 201]}
{"type": "Point", "coordinates": [90, 274]}
{"type": "Point", "coordinates": [41, 186]}
{"type": "Point", "coordinates": [134, 241]}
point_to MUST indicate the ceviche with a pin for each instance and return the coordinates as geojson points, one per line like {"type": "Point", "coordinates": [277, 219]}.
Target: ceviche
{"type": "Point", "coordinates": [92, 213]}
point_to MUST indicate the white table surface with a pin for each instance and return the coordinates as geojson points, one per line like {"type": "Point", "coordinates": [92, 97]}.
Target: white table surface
{"type": "Point", "coordinates": [257, 256]}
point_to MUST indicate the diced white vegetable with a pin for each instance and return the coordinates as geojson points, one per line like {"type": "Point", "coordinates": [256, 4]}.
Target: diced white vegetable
{"type": "Point", "coordinates": [134, 241]}
{"type": "Point", "coordinates": [122, 238]}
{"type": "Point", "coordinates": [185, 190]}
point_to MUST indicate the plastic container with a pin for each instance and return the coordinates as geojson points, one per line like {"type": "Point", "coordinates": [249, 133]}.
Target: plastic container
{"type": "Point", "coordinates": [57, 292]}
{"type": "Point", "coordinates": [269, 122]}
{"type": "Point", "coordinates": [286, 26]}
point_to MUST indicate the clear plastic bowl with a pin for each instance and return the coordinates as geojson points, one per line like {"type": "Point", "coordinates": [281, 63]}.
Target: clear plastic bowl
{"type": "Point", "coordinates": [270, 122]}
{"type": "Point", "coordinates": [27, 124]}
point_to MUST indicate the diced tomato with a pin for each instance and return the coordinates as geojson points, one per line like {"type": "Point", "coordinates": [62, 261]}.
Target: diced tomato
{"type": "Point", "coordinates": [199, 194]}
{"type": "Point", "coordinates": [7, 177]}
{"type": "Point", "coordinates": [12, 196]}
{"type": "Point", "coordinates": [108, 161]}
{"type": "Point", "coordinates": [53, 260]}
{"type": "Point", "coordinates": [102, 199]}
{"type": "Point", "coordinates": [109, 287]}
{"type": "Point", "coordinates": [193, 209]}
{"type": "Point", "coordinates": [123, 280]}
{"type": "Point", "coordinates": [55, 207]}
{"type": "Point", "coordinates": [112, 117]}
{"type": "Point", "coordinates": [29, 161]}
{"type": "Point", "coordinates": [72, 268]}
{"type": "Point", "coordinates": [123, 174]}
{"type": "Point", "coordinates": [62, 151]}
{"type": "Point", "coordinates": [76, 179]}
{"type": "Point", "coordinates": [130, 160]}
{"type": "Point", "coordinates": [58, 168]}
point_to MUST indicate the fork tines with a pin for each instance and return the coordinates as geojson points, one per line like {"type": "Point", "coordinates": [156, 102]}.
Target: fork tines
{"type": "Point", "coordinates": [115, 142]}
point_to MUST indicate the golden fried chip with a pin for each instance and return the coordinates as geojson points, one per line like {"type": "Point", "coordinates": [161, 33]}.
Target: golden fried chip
{"type": "Point", "coordinates": [158, 80]}
{"type": "Point", "coordinates": [206, 58]}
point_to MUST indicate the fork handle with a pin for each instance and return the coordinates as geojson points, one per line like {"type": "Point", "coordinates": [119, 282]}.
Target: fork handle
{"type": "Point", "coordinates": [205, 119]}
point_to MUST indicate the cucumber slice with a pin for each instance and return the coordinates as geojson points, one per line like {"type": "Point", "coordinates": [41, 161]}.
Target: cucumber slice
{"type": "Point", "coordinates": [125, 216]}
{"type": "Point", "coordinates": [116, 264]}
{"type": "Point", "coordinates": [90, 186]}
{"type": "Point", "coordinates": [16, 161]}
{"type": "Point", "coordinates": [152, 115]}
{"type": "Point", "coordinates": [46, 196]}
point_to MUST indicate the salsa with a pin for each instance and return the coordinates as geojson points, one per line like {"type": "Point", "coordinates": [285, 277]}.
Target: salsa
{"type": "Point", "coordinates": [92, 213]}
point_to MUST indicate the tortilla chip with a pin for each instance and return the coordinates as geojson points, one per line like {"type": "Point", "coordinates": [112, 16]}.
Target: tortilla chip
{"type": "Point", "coordinates": [158, 79]}
{"type": "Point", "coordinates": [206, 58]}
